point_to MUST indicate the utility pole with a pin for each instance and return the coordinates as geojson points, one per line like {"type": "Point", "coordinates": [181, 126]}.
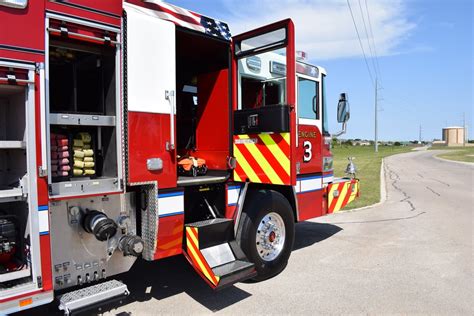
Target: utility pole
{"type": "Point", "coordinates": [376, 114]}
{"type": "Point", "coordinates": [464, 129]}
{"type": "Point", "coordinates": [420, 135]}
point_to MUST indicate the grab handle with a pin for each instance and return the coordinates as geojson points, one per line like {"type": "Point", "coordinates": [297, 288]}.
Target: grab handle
{"type": "Point", "coordinates": [169, 95]}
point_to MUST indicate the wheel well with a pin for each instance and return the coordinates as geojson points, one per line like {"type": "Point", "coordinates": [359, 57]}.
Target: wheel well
{"type": "Point", "coordinates": [286, 191]}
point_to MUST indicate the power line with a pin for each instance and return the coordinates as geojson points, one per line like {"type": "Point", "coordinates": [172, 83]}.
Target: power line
{"type": "Point", "coordinates": [373, 40]}
{"type": "Point", "coordinates": [368, 40]}
{"type": "Point", "coordinates": [360, 42]}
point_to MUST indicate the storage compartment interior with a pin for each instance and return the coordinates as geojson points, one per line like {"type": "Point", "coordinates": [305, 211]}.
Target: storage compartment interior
{"type": "Point", "coordinates": [13, 163]}
{"type": "Point", "coordinates": [83, 123]}
{"type": "Point", "coordinates": [81, 78]}
{"type": "Point", "coordinates": [202, 100]}
{"type": "Point", "coordinates": [86, 152]}
{"type": "Point", "coordinates": [14, 245]}
{"type": "Point", "coordinates": [13, 168]}
{"type": "Point", "coordinates": [12, 113]}
{"type": "Point", "coordinates": [14, 240]}
{"type": "Point", "coordinates": [204, 202]}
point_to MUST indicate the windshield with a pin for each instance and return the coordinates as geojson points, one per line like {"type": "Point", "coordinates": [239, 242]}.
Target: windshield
{"type": "Point", "coordinates": [325, 114]}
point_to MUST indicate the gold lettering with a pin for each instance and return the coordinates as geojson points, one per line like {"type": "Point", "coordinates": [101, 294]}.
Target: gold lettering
{"type": "Point", "coordinates": [304, 134]}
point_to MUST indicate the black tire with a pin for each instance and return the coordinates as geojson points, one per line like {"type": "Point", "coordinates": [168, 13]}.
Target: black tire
{"type": "Point", "coordinates": [256, 207]}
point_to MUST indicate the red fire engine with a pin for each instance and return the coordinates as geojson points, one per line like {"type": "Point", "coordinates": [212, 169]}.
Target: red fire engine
{"type": "Point", "coordinates": [139, 129]}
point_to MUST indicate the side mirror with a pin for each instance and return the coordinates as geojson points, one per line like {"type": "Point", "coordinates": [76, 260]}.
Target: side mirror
{"type": "Point", "coordinates": [343, 112]}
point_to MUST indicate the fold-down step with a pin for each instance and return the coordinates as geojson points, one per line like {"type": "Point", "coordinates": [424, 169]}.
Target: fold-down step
{"type": "Point", "coordinates": [95, 295]}
{"type": "Point", "coordinates": [215, 255]}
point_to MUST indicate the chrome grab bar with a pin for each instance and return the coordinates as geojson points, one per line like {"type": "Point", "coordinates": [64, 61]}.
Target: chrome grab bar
{"type": "Point", "coordinates": [104, 39]}
{"type": "Point", "coordinates": [169, 95]}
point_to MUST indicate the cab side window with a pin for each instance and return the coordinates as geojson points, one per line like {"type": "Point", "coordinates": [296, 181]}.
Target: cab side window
{"type": "Point", "coordinates": [308, 99]}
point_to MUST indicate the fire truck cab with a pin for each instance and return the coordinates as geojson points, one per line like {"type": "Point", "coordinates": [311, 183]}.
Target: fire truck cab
{"type": "Point", "coordinates": [138, 130]}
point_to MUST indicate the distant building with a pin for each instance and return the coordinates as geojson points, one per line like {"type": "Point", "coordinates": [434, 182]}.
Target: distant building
{"type": "Point", "coordinates": [453, 136]}
{"type": "Point", "coordinates": [360, 143]}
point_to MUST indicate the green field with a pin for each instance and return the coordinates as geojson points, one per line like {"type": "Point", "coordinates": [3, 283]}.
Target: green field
{"type": "Point", "coordinates": [465, 154]}
{"type": "Point", "coordinates": [368, 169]}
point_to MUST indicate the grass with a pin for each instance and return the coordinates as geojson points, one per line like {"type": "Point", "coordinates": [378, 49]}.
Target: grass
{"type": "Point", "coordinates": [465, 154]}
{"type": "Point", "coordinates": [368, 169]}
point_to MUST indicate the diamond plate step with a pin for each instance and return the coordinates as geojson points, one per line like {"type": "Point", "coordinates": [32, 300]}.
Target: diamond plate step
{"type": "Point", "coordinates": [92, 295]}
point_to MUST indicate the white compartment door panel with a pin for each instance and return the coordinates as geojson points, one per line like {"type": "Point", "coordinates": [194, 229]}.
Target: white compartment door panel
{"type": "Point", "coordinates": [151, 60]}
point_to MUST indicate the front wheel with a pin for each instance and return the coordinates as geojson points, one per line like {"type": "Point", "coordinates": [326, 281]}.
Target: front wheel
{"type": "Point", "coordinates": [266, 233]}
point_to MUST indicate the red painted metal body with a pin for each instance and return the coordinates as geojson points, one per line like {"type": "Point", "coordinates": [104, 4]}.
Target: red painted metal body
{"type": "Point", "coordinates": [105, 12]}
{"type": "Point", "coordinates": [111, 8]}
{"type": "Point", "coordinates": [147, 135]}
{"type": "Point", "coordinates": [312, 134]}
{"type": "Point", "coordinates": [310, 204]}
{"type": "Point", "coordinates": [170, 236]}
{"type": "Point", "coordinates": [23, 29]}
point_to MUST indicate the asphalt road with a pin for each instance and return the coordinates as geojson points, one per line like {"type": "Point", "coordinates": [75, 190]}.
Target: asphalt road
{"type": "Point", "coordinates": [411, 255]}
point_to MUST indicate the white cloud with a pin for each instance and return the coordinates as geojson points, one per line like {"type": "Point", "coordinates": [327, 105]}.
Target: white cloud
{"type": "Point", "coordinates": [324, 28]}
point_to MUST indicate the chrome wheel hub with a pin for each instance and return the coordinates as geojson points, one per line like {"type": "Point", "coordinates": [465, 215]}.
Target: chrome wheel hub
{"type": "Point", "coordinates": [270, 237]}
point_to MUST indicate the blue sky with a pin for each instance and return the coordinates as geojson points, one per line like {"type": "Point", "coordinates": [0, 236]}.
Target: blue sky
{"type": "Point", "coordinates": [424, 48]}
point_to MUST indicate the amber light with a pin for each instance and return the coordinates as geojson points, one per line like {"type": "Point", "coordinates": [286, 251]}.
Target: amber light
{"type": "Point", "coordinates": [26, 302]}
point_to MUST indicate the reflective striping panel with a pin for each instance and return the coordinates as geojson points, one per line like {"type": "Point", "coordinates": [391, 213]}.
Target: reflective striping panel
{"type": "Point", "coordinates": [309, 184]}
{"type": "Point", "coordinates": [232, 195]}
{"type": "Point", "coordinates": [171, 203]}
{"type": "Point", "coordinates": [328, 178]}
{"type": "Point", "coordinates": [263, 158]}
{"type": "Point", "coordinates": [199, 262]}
{"type": "Point", "coordinates": [43, 220]}
{"type": "Point", "coordinates": [342, 193]}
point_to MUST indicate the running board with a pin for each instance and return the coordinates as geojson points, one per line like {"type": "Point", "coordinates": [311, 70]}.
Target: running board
{"type": "Point", "coordinates": [92, 296]}
{"type": "Point", "coordinates": [215, 255]}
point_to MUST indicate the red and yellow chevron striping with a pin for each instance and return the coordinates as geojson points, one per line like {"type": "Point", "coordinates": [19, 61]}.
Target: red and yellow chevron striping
{"type": "Point", "coordinates": [192, 245]}
{"type": "Point", "coordinates": [342, 193]}
{"type": "Point", "coordinates": [263, 158]}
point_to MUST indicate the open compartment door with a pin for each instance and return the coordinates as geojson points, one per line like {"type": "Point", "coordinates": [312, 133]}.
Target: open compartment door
{"type": "Point", "coordinates": [24, 221]}
{"type": "Point", "coordinates": [150, 80]}
{"type": "Point", "coordinates": [263, 103]}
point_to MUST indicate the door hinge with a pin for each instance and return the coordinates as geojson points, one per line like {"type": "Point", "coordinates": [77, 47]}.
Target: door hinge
{"type": "Point", "coordinates": [39, 281]}
{"type": "Point", "coordinates": [39, 67]}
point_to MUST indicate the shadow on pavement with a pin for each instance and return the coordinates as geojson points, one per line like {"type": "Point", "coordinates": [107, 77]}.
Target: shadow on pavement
{"type": "Point", "coordinates": [168, 277]}
{"type": "Point", "coordinates": [159, 280]}
{"type": "Point", "coordinates": [309, 233]}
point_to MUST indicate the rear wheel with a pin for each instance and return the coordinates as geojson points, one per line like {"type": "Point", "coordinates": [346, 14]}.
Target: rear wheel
{"type": "Point", "coordinates": [266, 233]}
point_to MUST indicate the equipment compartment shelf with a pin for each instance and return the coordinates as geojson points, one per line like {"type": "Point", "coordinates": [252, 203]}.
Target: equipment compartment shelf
{"type": "Point", "coordinates": [23, 273]}
{"type": "Point", "coordinates": [10, 194]}
{"type": "Point", "coordinates": [212, 176]}
{"type": "Point", "coordinates": [85, 186]}
{"type": "Point", "coordinates": [81, 119]}
{"type": "Point", "coordinates": [12, 144]}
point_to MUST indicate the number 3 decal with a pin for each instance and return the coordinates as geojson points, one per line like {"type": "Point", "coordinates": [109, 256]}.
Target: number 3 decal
{"type": "Point", "coordinates": [307, 151]}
